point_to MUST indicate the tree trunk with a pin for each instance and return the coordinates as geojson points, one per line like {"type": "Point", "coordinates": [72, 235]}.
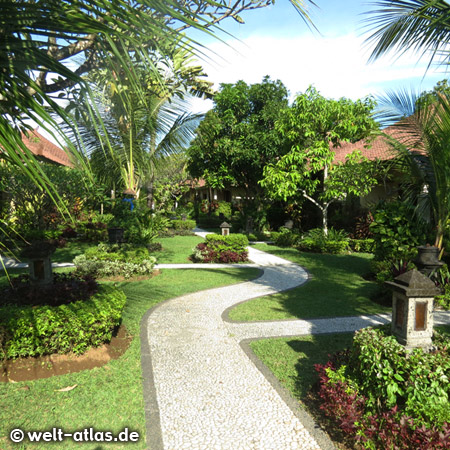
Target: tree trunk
{"type": "Point", "coordinates": [325, 219]}
{"type": "Point", "coordinates": [150, 193]}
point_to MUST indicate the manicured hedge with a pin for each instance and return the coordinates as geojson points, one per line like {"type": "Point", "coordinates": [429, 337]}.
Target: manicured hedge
{"type": "Point", "coordinates": [111, 260]}
{"type": "Point", "coordinates": [183, 224]}
{"type": "Point", "coordinates": [74, 327]}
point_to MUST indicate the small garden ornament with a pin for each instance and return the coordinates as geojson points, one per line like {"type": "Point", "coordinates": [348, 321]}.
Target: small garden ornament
{"type": "Point", "coordinates": [412, 309]}
{"type": "Point", "coordinates": [40, 266]}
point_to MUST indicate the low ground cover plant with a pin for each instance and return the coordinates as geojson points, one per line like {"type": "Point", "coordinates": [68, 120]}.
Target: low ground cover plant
{"type": "Point", "coordinates": [27, 330]}
{"type": "Point", "coordinates": [116, 259]}
{"type": "Point", "coordinates": [387, 398]}
{"type": "Point", "coordinates": [222, 249]}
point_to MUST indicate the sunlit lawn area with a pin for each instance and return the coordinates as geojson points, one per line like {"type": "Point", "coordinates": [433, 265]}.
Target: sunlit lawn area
{"type": "Point", "coordinates": [110, 397]}
{"type": "Point", "coordinates": [176, 250]}
{"type": "Point", "coordinates": [336, 288]}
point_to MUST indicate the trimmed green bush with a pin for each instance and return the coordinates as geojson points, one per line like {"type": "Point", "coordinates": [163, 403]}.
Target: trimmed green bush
{"type": "Point", "coordinates": [316, 241]}
{"type": "Point", "coordinates": [74, 327]}
{"type": "Point", "coordinates": [183, 224]}
{"type": "Point", "coordinates": [234, 242]}
{"type": "Point", "coordinates": [111, 260]}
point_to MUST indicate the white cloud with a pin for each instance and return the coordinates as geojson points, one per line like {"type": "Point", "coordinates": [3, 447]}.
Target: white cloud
{"type": "Point", "coordinates": [336, 66]}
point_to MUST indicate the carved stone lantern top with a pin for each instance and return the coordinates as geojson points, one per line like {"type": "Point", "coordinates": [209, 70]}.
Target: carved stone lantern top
{"type": "Point", "coordinates": [414, 284]}
{"type": "Point", "coordinates": [38, 250]}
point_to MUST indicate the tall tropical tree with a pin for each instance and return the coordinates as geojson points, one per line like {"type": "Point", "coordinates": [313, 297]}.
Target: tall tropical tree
{"type": "Point", "coordinates": [140, 125]}
{"type": "Point", "coordinates": [314, 127]}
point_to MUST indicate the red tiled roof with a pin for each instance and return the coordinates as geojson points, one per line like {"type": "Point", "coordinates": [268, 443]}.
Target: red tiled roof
{"type": "Point", "coordinates": [379, 148]}
{"type": "Point", "coordinates": [40, 146]}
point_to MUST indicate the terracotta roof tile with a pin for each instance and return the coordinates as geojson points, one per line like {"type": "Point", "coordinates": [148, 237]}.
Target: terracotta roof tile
{"type": "Point", "coordinates": [379, 148]}
{"type": "Point", "coordinates": [40, 146]}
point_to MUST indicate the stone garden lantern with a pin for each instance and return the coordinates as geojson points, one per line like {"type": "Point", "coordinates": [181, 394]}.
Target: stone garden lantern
{"type": "Point", "coordinates": [40, 265]}
{"type": "Point", "coordinates": [225, 227]}
{"type": "Point", "coordinates": [412, 309]}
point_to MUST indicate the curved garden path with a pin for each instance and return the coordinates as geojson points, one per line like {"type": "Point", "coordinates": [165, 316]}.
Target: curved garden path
{"type": "Point", "coordinates": [203, 387]}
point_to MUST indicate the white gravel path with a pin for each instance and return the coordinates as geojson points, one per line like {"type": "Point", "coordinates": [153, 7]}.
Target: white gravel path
{"type": "Point", "coordinates": [209, 393]}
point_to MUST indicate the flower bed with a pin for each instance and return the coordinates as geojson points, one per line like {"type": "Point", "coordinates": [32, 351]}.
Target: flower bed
{"type": "Point", "coordinates": [222, 249]}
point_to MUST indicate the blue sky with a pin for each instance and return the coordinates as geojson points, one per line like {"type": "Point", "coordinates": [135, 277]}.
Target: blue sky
{"type": "Point", "coordinates": [276, 41]}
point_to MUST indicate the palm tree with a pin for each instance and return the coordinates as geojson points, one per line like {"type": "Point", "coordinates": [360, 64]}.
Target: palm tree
{"type": "Point", "coordinates": [419, 25]}
{"type": "Point", "coordinates": [140, 130]}
{"type": "Point", "coordinates": [422, 26]}
{"type": "Point", "coordinates": [423, 124]}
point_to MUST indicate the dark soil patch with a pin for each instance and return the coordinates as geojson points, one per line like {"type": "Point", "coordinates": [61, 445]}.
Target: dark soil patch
{"type": "Point", "coordinates": [34, 368]}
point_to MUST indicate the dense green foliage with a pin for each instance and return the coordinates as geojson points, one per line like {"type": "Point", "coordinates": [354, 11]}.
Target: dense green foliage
{"type": "Point", "coordinates": [237, 138]}
{"type": "Point", "coordinates": [75, 327]}
{"type": "Point", "coordinates": [183, 224]}
{"type": "Point", "coordinates": [396, 231]}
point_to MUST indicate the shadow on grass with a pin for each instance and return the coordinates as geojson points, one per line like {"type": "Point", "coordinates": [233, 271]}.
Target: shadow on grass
{"type": "Point", "coordinates": [336, 286]}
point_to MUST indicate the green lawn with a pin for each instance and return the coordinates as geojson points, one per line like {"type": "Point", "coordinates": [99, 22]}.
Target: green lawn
{"type": "Point", "coordinates": [177, 249]}
{"type": "Point", "coordinates": [336, 288]}
{"type": "Point", "coordinates": [72, 249]}
{"type": "Point", "coordinates": [292, 359]}
{"type": "Point", "coordinates": [110, 397]}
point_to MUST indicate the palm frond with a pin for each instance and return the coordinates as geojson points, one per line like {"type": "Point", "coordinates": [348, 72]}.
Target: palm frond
{"type": "Point", "coordinates": [402, 25]}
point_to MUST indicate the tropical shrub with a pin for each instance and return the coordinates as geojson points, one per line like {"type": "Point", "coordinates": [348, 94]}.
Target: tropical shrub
{"type": "Point", "coordinates": [385, 397]}
{"type": "Point", "coordinates": [285, 237]}
{"type": "Point", "coordinates": [396, 231]}
{"type": "Point", "coordinates": [315, 240]}
{"type": "Point", "coordinates": [111, 260]}
{"type": "Point", "coordinates": [362, 245]}
{"type": "Point", "coordinates": [222, 249]}
{"type": "Point", "coordinates": [389, 269]}
{"type": "Point", "coordinates": [74, 327]}
{"type": "Point", "coordinates": [92, 231]}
